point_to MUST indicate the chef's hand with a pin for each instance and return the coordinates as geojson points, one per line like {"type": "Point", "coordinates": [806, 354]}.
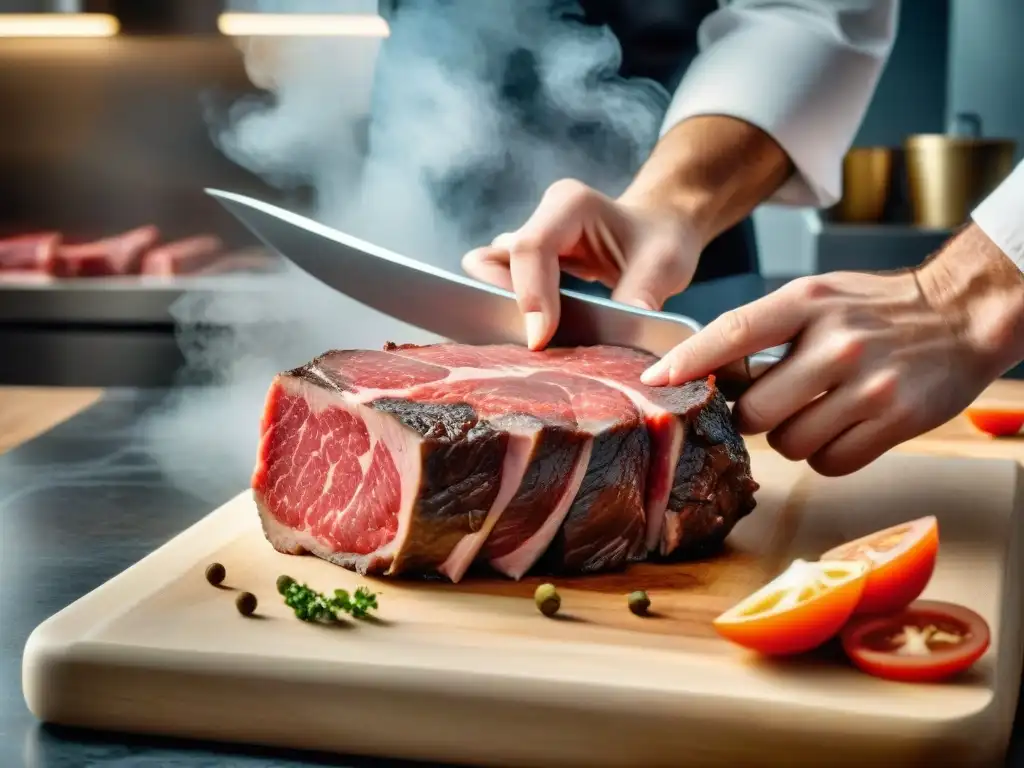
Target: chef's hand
{"type": "Point", "coordinates": [704, 175]}
{"type": "Point", "coordinates": [645, 254]}
{"type": "Point", "coordinates": [876, 359]}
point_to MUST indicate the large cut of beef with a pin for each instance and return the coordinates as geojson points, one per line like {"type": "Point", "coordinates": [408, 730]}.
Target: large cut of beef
{"type": "Point", "coordinates": [422, 460]}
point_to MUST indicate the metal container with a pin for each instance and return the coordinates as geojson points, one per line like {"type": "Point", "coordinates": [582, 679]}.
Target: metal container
{"type": "Point", "coordinates": [867, 181]}
{"type": "Point", "coordinates": [949, 174]}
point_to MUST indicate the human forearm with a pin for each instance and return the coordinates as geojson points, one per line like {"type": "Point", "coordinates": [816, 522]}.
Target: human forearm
{"type": "Point", "coordinates": [713, 170]}
{"type": "Point", "coordinates": [803, 71]}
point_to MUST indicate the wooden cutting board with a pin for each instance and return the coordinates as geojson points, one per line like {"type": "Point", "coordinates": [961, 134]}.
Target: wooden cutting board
{"type": "Point", "coordinates": [474, 673]}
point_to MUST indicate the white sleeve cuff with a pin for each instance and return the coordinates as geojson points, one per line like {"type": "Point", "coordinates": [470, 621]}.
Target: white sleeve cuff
{"type": "Point", "coordinates": [803, 72]}
{"type": "Point", "coordinates": [1001, 216]}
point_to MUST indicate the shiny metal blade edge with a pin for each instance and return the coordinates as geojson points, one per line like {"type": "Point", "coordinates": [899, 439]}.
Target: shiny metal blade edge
{"type": "Point", "coordinates": [453, 306]}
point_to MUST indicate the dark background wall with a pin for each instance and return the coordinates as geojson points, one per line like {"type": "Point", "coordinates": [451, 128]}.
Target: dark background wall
{"type": "Point", "coordinates": [911, 96]}
{"type": "Point", "coordinates": [986, 72]}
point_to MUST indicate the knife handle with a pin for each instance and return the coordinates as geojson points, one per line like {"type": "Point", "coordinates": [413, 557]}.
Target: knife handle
{"type": "Point", "coordinates": [736, 378]}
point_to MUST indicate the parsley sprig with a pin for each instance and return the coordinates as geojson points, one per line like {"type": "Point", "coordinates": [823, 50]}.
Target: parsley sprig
{"type": "Point", "coordinates": [310, 605]}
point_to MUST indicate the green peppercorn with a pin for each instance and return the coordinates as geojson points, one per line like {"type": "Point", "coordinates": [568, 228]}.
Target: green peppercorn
{"type": "Point", "coordinates": [547, 599]}
{"type": "Point", "coordinates": [246, 603]}
{"type": "Point", "coordinates": [283, 582]}
{"type": "Point", "coordinates": [215, 573]}
{"type": "Point", "coordinates": [639, 602]}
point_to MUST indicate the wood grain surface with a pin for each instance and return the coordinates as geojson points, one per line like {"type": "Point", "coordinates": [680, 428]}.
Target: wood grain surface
{"type": "Point", "coordinates": [26, 412]}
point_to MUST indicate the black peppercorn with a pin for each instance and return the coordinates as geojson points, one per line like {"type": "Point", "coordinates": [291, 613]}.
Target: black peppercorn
{"type": "Point", "coordinates": [215, 573]}
{"type": "Point", "coordinates": [246, 603]}
{"type": "Point", "coordinates": [283, 582]}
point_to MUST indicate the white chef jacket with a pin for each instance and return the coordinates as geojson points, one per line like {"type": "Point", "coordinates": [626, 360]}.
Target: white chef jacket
{"type": "Point", "coordinates": [804, 72]}
{"type": "Point", "coordinates": [1001, 216]}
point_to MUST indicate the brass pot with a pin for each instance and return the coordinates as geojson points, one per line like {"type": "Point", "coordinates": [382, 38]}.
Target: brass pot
{"type": "Point", "coordinates": [949, 174]}
{"type": "Point", "coordinates": [867, 179]}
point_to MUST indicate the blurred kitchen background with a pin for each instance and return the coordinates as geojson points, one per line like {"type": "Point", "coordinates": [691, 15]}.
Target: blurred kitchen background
{"type": "Point", "coordinates": [108, 129]}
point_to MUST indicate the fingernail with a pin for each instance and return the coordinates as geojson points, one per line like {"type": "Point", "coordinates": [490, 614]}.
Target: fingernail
{"type": "Point", "coordinates": [640, 304]}
{"type": "Point", "coordinates": [657, 375]}
{"type": "Point", "coordinates": [534, 322]}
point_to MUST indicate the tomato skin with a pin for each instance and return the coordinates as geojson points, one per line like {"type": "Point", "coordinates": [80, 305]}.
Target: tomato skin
{"type": "Point", "coordinates": [995, 422]}
{"type": "Point", "coordinates": [799, 629]}
{"type": "Point", "coordinates": [900, 575]}
{"type": "Point", "coordinates": [935, 667]}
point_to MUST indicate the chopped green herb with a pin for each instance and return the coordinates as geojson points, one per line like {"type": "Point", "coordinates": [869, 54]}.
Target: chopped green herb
{"type": "Point", "coordinates": [310, 605]}
{"type": "Point", "coordinates": [361, 603]}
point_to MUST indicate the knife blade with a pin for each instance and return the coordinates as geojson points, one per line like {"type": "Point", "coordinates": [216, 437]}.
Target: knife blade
{"type": "Point", "coordinates": [458, 307]}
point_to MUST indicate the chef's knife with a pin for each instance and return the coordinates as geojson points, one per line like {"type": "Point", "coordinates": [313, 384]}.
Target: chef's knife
{"type": "Point", "coordinates": [458, 307]}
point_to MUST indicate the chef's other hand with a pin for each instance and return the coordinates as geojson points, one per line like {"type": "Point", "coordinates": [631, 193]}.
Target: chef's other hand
{"type": "Point", "coordinates": [643, 253]}
{"type": "Point", "coordinates": [876, 359]}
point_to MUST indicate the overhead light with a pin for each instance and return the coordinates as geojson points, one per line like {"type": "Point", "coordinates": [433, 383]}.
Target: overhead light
{"type": "Point", "coordinates": [58, 25]}
{"type": "Point", "coordinates": [302, 25]}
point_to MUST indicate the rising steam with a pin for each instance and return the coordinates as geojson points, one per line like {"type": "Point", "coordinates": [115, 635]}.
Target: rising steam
{"type": "Point", "coordinates": [474, 106]}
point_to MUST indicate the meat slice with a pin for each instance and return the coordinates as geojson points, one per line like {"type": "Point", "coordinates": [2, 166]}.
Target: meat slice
{"type": "Point", "coordinates": [709, 484]}
{"type": "Point", "coordinates": [29, 253]}
{"type": "Point", "coordinates": [118, 255]}
{"type": "Point", "coordinates": [355, 470]}
{"type": "Point", "coordinates": [182, 257]}
{"type": "Point", "coordinates": [421, 460]}
{"type": "Point", "coordinates": [544, 466]}
{"type": "Point", "coordinates": [605, 526]}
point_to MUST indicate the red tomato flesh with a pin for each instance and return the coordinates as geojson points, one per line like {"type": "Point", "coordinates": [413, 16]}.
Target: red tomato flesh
{"type": "Point", "coordinates": [927, 642]}
{"type": "Point", "coordinates": [995, 421]}
{"type": "Point", "coordinates": [901, 561]}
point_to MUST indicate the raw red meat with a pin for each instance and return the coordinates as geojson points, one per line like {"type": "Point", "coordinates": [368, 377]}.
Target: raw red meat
{"type": "Point", "coordinates": [182, 257]}
{"type": "Point", "coordinates": [118, 255]}
{"type": "Point", "coordinates": [29, 253]}
{"type": "Point", "coordinates": [422, 460]}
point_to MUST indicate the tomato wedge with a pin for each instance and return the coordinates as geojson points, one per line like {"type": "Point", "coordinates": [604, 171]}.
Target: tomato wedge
{"type": "Point", "coordinates": [900, 559]}
{"type": "Point", "coordinates": [927, 642]}
{"type": "Point", "coordinates": [800, 609]}
{"type": "Point", "coordinates": [998, 422]}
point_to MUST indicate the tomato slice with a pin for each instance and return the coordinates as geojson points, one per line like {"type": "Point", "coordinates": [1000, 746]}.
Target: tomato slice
{"type": "Point", "coordinates": [928, 641]}
{"type": "Point", "coordinates": [901, 561]}
{"type": "Point", "coordinates": [999, 422]}
{"type": "Point", "coordinates": [800, 609]}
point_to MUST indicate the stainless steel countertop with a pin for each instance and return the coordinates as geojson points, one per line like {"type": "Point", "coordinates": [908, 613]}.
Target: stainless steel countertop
{"type": "Point", "coordinates": [112, 301]}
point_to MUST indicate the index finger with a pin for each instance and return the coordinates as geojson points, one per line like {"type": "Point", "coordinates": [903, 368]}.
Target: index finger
{"type": "Point", "coordinates": [767, 322]}
{"type": "Point", "coordinates": [554, 227]}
